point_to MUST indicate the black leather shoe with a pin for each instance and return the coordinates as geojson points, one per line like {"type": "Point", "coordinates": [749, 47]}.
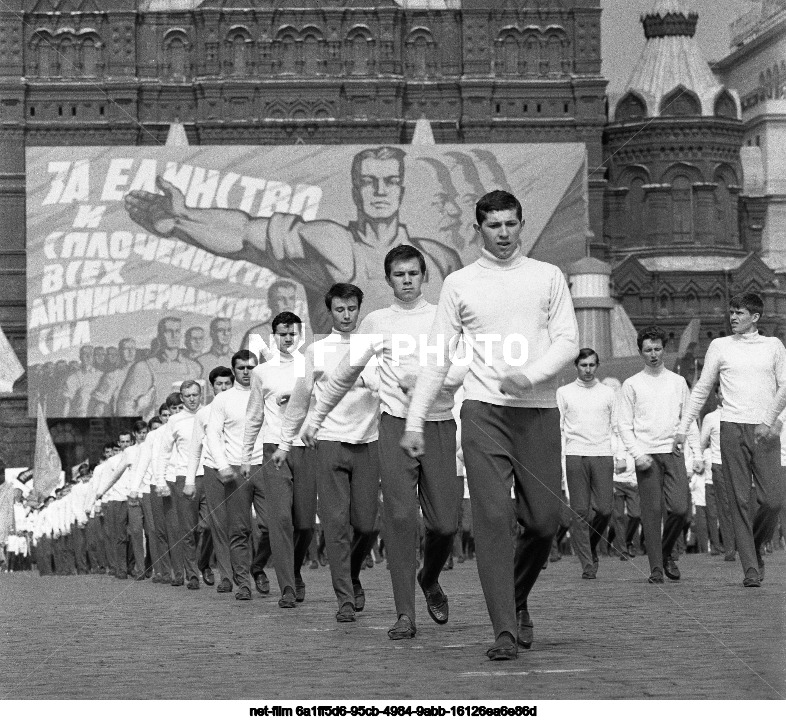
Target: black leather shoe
{"type": "Point", "coordinates": [524, 627]}
{"type": "Point", "coordinates": [360, 596]}
{"type": "Point", "coordinates": [671, 570]}
{"type": "Point", "coordinates": [751, 579]}
{"type": "Point", "coordinates": [224, 586]}
{"type": "Point", "coordinates": [589, 571]}
{"type": "Point", "coordinates": [300, 590]}
{"type": "Point", "coordinates": [436, 601]}
{"type": "Point", "coordinates": [504, 649]}
{"type": "Point", "coordinates": [656, 576]}
{"type": "Point", "coordinates": [208, 577]}
{"type": "Point", "coordinates": [243, 594]}
{"type": "Point", "coordinates": [403, 628]}
{"type": "Point", "coordinates": [262, 584]}
{"type": "Point", "coordinates": [760, 563]}
{"type": "Point", "coordinates": [177, 582]}
{"type": "Point", "coordinates": [287, 599]}
{"type": "Point", "coordinates": [346, 614]}
{"type": "Point", "coordinates": [193, 584]}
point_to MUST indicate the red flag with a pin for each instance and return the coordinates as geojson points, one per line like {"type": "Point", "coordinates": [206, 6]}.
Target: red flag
{"type": "Point", "coordinates": [47, 466]}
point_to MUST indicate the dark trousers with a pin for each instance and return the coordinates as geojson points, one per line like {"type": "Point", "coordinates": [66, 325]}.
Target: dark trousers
{"type": "Point", "coordinates": [742, 459]}
{"type": "Point", "coordinates": [236, 498]}
{"type": "Point", "coordinates": [106, 539]}
{"type": "Point", "coordinates": [136, 527]}
{"type": "Point", "coordinates": [711, 514]}
{"type": "Point", "coordinates": [96, 553]}
{"type": "Point", "coordinates": [508, 447]}
{"type": "Point", "coordinates": [163, 559]}
{"type": "Point", "coordinates": [218, 518]}
{"type": "Point", "coordinates": [591, 488]}
{"type": "Point", "coordinates": [348, 487]}
{"type": "Point", "coordinates": [148, 525]}
{"type": "Point", "coordinates": [663, 487]}
{"type": "Point", "coordinates": [187, 512]}
{"type": "Point", "coordinates": [429, 483]}
{"type": "Point", "coordinates": [626, 513]}
{"type": "Point", "coordinates": [45, 556]}
{"type": "Point", "coordinates": [79, 543]}
{"type": "Point", "coordinates": [204, 530]}
{"type": "Point", "coordinates": [291, 500]}
{"type": "Point", "coordinates": [725, 499]}
{"type": "Point", "coordinates": [117, 515]}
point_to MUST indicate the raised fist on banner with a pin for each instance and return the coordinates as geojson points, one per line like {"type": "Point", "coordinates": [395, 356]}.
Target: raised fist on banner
{"type": "Point", "coordinates": [157, 213]}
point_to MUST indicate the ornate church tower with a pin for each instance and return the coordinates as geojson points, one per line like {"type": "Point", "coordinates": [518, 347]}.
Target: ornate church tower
{"type": "Point", "coordinates": [673, 206]}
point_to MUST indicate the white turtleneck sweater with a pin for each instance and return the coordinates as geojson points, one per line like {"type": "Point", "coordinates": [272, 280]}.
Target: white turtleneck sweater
{"type": "Point", "coordinates": [652, 403]}
{"type": "Point", "coordinates": [356, 417]}
{"type": "Point", "coordinates": [171, 451]}
{"type": "Point", "coordinates": [225, 428]}
{"type": "Point", "coordinates": [395, 336]}
{"type": "Point", "coordinates": [271, 381]}
{"type": "Point", "coordinates": [586, 411]}
{"type": "Point", "coordinates": [486, 303]}
{"type": "Point", "coordinates": [752, 372]}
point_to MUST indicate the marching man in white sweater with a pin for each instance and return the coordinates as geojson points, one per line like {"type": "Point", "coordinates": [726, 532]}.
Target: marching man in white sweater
{"type": "Point", "coordinates": [224, 436]}
{"type": "Point", "coordinates": [220, 379]}
{"type": "Point", "coordinates": [650, 408]}
{"type": "Point", "coordinates": [517, 316]}
{"type": "Point", "coordinates": [586, 408]}
{"type": "Point", "coordinates": [170, 460]}
{"type": "Point", "coordinates": [395, 336]}
{"type": "Point", "coordinates": [752, 373]}
{"type": "Point", "coordinates": [290, 488]}
{"type": "Point", "coordinates": [346, 457]}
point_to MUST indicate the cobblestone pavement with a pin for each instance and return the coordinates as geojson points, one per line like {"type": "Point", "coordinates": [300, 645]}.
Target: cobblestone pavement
{"type": "Point", "coordinates": [616, 637]}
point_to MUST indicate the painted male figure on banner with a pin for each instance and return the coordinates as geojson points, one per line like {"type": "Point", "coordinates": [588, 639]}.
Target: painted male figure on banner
{"type": "Point", "coordinates": [315, 253]}
{"type": "Point", "coordinates": [150, 381]}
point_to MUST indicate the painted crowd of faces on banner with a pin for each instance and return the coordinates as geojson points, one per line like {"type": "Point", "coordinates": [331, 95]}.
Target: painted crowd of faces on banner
{"type": "Point", "coordinates": [147, 266]}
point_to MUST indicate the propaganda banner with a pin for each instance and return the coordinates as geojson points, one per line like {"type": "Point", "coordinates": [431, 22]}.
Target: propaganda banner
{"type": "Point", "coordinates": [147, 266]}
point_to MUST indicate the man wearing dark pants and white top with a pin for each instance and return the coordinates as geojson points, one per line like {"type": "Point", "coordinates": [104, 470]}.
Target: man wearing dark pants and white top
{"type": "Point", "coordinates": [170, 462]}
{"type": "Point", "coordinates": [517, 316]}
{"type": "Point", "coordinates": [224, 435]}
{"type": "Point", "coordinates": [290, 493]}
{"type": "Point", "coordinates": [394, 335]}
{"type": "Point", "coordinates": [752, 373]}
{"type": "Point", "coordinates": [716, 494]}
{"type": "Point", "coordinates": [347, 460]}
{"type": "Point", "coordinates": [651, 405]}
{"type": "Point", "coordinates": [220, 379]}
{"type": "Point", "coordinates": [586, 408]}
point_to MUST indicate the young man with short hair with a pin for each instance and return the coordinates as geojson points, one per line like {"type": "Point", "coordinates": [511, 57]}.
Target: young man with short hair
{"type": "Point", "coordinates": [394, 335]}
{"type": "Point", "coordinates": [290, 489]}
{"type": "Point", "coordinates": [115, 497]}
{"type": "Point", "coordinates": [586, 409]}
{"type": "Point", "coordinates": [221, 379]}
{"type": "Point", "coordinates": [152, 502]}
{"type": "Point", "coordinates": [517, 315]}
{"type": "Point", "coordinates": [224, 435]}
{"type": "Point", "coordinates": [170, 460]}
{"type": "Point", "coordinates": [717, 496]}
{"type": "Point", "coordinates": [752, 373]}
{"type": "Point", "coordinates": [346, 456]}
{"type": "Point", "coordinates": [651, 405]}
